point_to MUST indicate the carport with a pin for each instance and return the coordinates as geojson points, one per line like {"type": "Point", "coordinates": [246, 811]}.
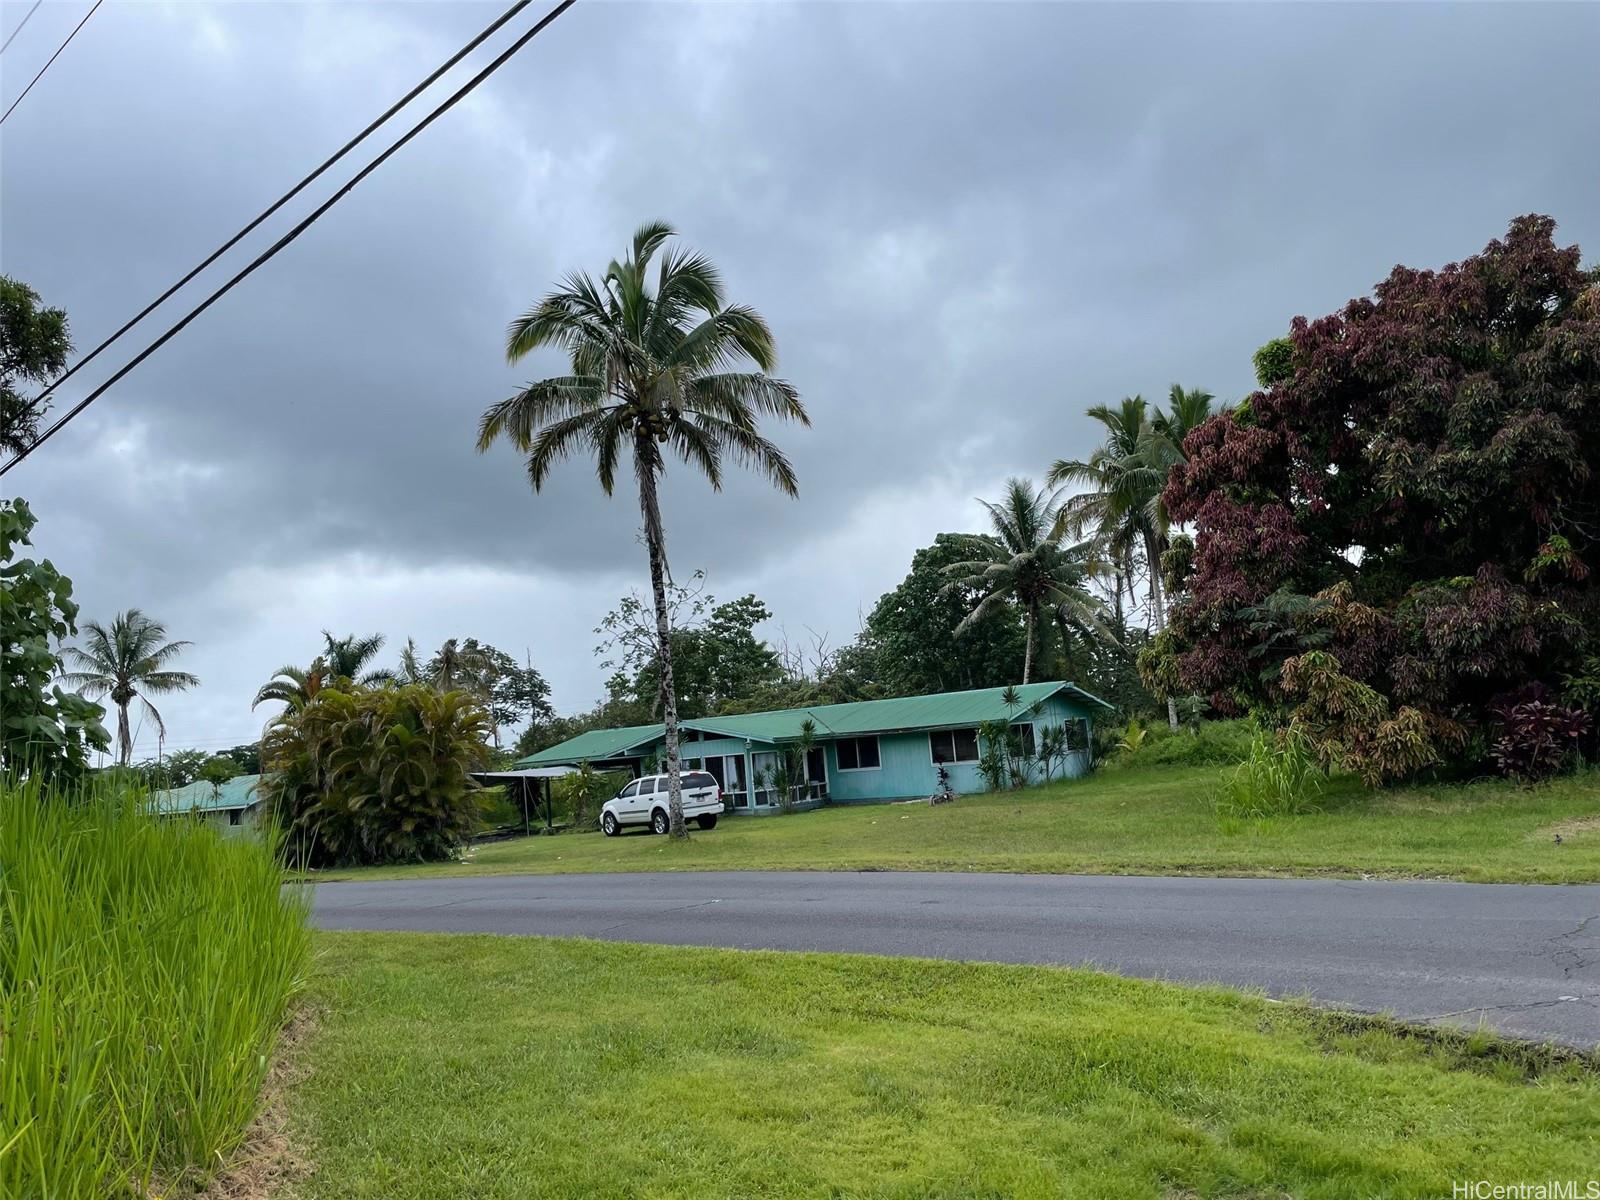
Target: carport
{"type": "Point", "coordinates": [529, 785]}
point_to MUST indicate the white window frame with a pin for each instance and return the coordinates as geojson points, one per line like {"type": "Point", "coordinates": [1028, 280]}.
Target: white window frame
{"type": "Point", "coordinates": [977, 749]}
{"type": "Point", "coordinates": [861, 738]}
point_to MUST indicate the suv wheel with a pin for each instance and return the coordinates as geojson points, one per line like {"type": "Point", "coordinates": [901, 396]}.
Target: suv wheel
{"type": "Point", "coordinates": [659, 822]}
{"type": "Point", "coordinates": [608, 825]}
{"type": "Point", "coordinates": [709, 821]}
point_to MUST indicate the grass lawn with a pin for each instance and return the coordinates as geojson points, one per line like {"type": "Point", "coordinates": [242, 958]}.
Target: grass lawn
{"type": "Point", "coordinates": [451, 1066]}
{"type": "Point", "coordinates": [1135, 821]}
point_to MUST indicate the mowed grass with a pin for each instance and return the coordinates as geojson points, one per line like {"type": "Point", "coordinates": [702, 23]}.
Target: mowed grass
{"type": "Point", "coordinates": [1133, 821]}
{"type": "Point", "coordinates": [452, 1066]}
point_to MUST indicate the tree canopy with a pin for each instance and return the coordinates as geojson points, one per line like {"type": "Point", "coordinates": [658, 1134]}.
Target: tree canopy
{"type": "Point", "coordinates": [34, 345]}
{"type": "Point", "coordinates": [1400, 525]}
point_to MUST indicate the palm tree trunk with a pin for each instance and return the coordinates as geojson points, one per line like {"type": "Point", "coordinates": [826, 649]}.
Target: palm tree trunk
{"type": "Point", "coordinates": [124, 737]}
{"type": "Point", "coordinates": [1027, 650]}
{"type": "Point", "coordinates": [1158, 616]}
{"type": "Point", "coordinates": [655, 539]}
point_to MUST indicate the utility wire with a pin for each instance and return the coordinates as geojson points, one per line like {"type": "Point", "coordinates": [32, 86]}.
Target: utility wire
{"type": "Point", "coordinates": [20, 24]}
{"type": "Point", "coordinates": [53, 57]}
{"type": "Point", "coordinates": [36, 404]}
{"type": "Point", "coordinates": [271, 251]}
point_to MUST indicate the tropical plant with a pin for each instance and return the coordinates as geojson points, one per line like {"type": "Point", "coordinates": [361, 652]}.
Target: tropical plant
{"type": "Point", "coordinates": [1433, 450]}
{"type": "Point", "coordinates": [1278, 777]}
{"type": "Point", "coordinates": [1023, 562]}
{"type": "Point", "coordinates": [372, 775]}
{"type": "Point", "coordinates": [1052, 749]}
{"type": "Point", "coordinates": [127, 661]}
{"type": "Point", "coordinates": [43, 729]}
{"type": "Point", "coordinates": [1133, 737]}
{"type": "Point", "coordinates": [584, 791]}
{"type": "Point", "coordinates": [293, 686]}
{"type": "Point", "coordinates": [1535, 737]}
{"type": "Point", "coordinates": [652, 369]}
{"type": "Point", "coordinates": [994, 759]}
{"type": "Point", "coordinates": [347, 658]}
{"type": "Point", "coordinates": [1121, 504]}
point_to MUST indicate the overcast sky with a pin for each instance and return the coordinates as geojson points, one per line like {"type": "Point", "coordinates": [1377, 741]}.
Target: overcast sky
{"type": "Point", "coordinates": [965, 223]}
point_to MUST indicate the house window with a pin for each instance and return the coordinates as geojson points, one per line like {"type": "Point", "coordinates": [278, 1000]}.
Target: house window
{"type": "Point", "coordinates": [858, 754]}
{"type": "Point", "coordinates": [954, 745]}
{"type": "Point", "coordinates": [1024, 735]}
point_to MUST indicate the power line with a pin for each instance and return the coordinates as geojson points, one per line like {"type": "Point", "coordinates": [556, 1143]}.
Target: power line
{"type": "Point", "coordinates": [36, 404]}
{"type": "Point", "coordinates": [53, 57]}
{"type": "Point", "coordinates": [272, 250]}
{"type": "Point", "coordinates": [20, 24]}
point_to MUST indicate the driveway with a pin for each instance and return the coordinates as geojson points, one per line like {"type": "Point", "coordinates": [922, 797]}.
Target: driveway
{"type": "Point", "coordinates": [1524, 959]}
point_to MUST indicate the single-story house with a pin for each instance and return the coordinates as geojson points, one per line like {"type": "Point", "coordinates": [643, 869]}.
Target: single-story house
{"type": "Point", "coordinates": [871, 750]}
{"type": "Point", "coordinates": [231, 807]}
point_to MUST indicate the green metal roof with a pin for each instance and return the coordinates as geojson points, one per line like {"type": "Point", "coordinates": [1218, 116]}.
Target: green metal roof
{"type": "Point", "coordinates": [594, 746]}
{"type": "Point", "coordinates": [238, 792]}
{"type": "Point", "coordinates": [941, 711]}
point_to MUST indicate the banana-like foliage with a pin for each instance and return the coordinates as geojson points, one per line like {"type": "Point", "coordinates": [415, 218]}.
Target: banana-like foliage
{"type": "Point", "coordinates": [375, 775]}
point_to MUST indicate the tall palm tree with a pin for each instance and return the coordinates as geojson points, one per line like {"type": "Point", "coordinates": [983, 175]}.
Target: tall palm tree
{"type": "Point", "coordinates": [127, 661]}
{"type": "Point", "coordinates": [1123, 480]}
{"type": "Point", "coordinates": [347, 658]}
{"type": "Point", "coordinates": [651, 368]}
{"type": "Point", "coordinates": [1023, 561]}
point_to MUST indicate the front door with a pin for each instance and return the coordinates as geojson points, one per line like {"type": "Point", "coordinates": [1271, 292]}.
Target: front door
{"type": "Point", "coordinates": [816, 773]}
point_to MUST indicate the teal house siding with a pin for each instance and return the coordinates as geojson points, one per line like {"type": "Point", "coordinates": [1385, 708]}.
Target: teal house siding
{"type": "Point", "coordinates": [742, 750]}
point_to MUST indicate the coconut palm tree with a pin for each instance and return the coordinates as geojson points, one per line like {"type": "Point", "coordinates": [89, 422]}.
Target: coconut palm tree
{"type": "Point", "coordinates": [1123, 480]}
{"type": "Point", "coordinates": [457, 667]}
{"type": "Point", "coordinates": [1023, 561]}
{"type": "Point", "coordinates": [347, 658]}
{"type": "Point", "coordinates": [127, 661]}
{"type": "Point", "coordinates": [655, 366]}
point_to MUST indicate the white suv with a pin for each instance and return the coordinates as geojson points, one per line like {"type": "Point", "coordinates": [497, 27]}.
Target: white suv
{"type": "Point", "coordinates": [644, 802]}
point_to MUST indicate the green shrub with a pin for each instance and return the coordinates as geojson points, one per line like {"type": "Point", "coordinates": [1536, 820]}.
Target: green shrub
{"type": "Point", "coordinates": [1277, 778]}
{"type": "Point", "coordinates": [1215, 743]}
{"type": "Point", "coordinates": [579, 795]}
{"type": "Point", "coordinates": [375, 775]}
{"type": "Point", "coordinates": [145, 970]}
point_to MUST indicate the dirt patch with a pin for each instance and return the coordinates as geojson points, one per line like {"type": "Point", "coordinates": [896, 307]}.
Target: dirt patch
{"type": "Point", "coordinates": [1577, 827]}
{"type": "Point", "coordinates": [265, 1162]}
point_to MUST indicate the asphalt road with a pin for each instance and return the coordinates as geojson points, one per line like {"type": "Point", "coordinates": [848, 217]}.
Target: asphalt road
{"type": "Point", "coordinates": [1524, 959]}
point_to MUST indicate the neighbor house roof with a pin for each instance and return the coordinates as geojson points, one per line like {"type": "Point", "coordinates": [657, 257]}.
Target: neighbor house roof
{"type": "Point", "coordinates": [939, 711]}
{"type": "Point", "coordinates": [944, 710]}
{"type": "Point", "coordinates": [238, 792]}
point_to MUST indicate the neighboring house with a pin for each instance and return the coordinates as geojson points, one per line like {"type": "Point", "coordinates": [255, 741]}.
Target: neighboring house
{"type": "Point", "coordinates": [870, 750]}
{"type": "Point", "coordinates": [230, 808]}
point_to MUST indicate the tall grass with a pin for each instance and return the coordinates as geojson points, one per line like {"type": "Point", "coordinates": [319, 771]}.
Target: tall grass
{"type": "Point", "coordinates": [145, 970]}
{"type": "Point", "coordinates": [1278, 777]}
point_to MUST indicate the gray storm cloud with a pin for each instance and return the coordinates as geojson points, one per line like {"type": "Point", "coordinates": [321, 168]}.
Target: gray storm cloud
{"type": "Point", "coordinates": [966, 222]}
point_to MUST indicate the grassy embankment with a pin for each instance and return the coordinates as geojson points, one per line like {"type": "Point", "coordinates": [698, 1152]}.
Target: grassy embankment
{"type": "Point", "coordinates": [449, 1066]}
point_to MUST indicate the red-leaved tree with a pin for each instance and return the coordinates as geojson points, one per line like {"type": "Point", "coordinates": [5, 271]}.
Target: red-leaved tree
{"type": "Point", "coordinates": [1412, 497]}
